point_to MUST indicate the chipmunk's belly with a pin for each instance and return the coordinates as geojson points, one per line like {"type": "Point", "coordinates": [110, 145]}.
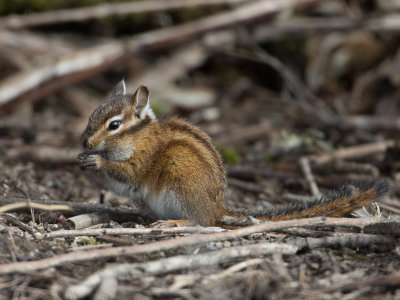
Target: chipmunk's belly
{"type": "Point", "coordinates": [164, 204]}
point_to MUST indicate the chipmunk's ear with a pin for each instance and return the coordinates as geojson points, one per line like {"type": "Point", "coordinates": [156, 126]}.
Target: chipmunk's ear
{"type": "Point", "coordinates": [142, 103]}
{"type": "Point", "coordinates": [119, 90]}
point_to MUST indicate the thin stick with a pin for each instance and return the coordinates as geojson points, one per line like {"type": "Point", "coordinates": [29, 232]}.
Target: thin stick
{"type": "Point", "coordinates": [305, 167]}
{"type": "Point", "coordinates": [14, 206]}
{"type": "Point", "coordinates": [182, 242]}
{"type": "Point", "coordinates": [352, 152]}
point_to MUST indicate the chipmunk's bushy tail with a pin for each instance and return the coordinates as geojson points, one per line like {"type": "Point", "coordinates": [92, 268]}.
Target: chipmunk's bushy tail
{"type": "Point", "coordinates": [336, 203]}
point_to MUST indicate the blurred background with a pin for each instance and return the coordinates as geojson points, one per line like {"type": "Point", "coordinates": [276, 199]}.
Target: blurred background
{"type": "Point", "coordinates": [272, 82]}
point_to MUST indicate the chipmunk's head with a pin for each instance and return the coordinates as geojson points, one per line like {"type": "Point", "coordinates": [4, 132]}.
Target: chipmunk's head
{"type": "Point", "coordinates": [112, 125]}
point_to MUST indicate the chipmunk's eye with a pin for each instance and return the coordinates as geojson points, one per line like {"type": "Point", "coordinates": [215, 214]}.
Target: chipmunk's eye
{"type": "Point", "coordinates": [114, 125]}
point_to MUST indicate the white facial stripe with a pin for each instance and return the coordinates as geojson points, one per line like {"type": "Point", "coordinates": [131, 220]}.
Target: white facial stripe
{"type": "Point", "coordinates": [115, 118]}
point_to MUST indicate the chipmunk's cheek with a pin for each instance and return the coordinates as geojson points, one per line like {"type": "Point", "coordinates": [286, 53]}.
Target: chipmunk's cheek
{"type": "Point", "coordinates": [100, 147]}
{"type": "Point", "coordinates": [116, 151]}
{"type": "Point", "coordinates": [124, 153]}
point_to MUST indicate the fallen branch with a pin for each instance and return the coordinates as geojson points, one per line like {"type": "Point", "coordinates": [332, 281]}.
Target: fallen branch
{"type": "Point", "coordinates": [173, 264]}
{"type": "Point", "coordinates": [75, 67]}
{"type": "Point", "coordinates": [48, 207]}
{"type": "Point", "coordinates": [352, 152]}
{"type": "Point", "coordinates": [133, 231]}
{"type": "Point", "coordinates": [46, 263]}
{"type": "Point", "coordinates": [103, 10]}
{"type": "Point", "coordinates": [118, 214]}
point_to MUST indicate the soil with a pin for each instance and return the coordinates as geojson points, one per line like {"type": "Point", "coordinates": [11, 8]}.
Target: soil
{"type": "Point", "coordinates": [263, 126]}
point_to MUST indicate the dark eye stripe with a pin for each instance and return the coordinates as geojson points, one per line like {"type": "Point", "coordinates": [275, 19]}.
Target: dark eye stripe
{"type": "Point", "coordinates": [114, 125]}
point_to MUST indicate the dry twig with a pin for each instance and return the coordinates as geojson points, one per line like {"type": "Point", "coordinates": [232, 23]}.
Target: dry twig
{"type": "Point", "coordinates": [19, 205]}
{"type": "Point", "coordinates": [133, 231]}
{"type": "Point", "coordinates": [352, 152]}
{"type": "Point", "coordinates": [306, 168]}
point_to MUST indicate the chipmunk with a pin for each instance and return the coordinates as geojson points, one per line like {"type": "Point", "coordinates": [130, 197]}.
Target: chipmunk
{"type": "Point", "coordinates": [176, 172]}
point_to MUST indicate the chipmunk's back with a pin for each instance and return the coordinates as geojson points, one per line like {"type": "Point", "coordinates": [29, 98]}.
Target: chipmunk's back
{"type": "Point", "coordinates": [186, 171]}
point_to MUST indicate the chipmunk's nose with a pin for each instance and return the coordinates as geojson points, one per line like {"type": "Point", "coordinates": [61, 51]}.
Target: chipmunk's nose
{"type": "Point", "coordinates": [86, 144]}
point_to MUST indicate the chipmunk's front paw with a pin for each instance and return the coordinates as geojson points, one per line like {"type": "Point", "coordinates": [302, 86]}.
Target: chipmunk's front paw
{"type": "Point", "coordinates": [89, 161]}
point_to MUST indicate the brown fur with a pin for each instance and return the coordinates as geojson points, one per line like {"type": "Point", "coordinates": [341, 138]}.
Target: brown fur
{"type": "Point", "coordinates": [165, 158]}
{"type": "Point", "coordinates": [173, 155]}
